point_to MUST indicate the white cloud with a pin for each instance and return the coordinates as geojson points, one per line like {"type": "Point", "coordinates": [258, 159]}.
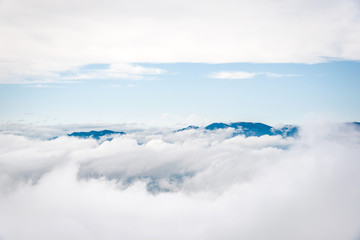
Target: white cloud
{"type": "Point", "coordinates": [40, 38]}
{"type": "Point", "coordinates": [115, 71]}
{"type": "Point", "coordinates": [279, 75]}
{"type": "Point", "coordinates": [247, 75]}
{"type": "Point", "coordinates": [134, 69]}
{"type": "Point", "coordinates": [240, 188]}
{"type": "Point", "coordinates": [232, 75]}
{"type": "Point", "coordinates": [39, 77]}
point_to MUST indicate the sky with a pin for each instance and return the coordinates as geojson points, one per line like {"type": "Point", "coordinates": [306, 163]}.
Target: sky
{"type": "Point", "coordinates": [189, 93]}
{"type": "Point", "coordinates": [148, 68]}
{"type": "Point", "coordinates": [179, 62]}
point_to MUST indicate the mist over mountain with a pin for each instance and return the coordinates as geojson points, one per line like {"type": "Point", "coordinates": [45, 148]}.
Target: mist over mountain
{"type": "Point", "coordinates": [94, 134]}
{"type": "Point", "coordinates": [255, 129]}
{"type": "Point", "coordinates": [247, 129]}
{"type": "Point", "coordinates": [168, 183]}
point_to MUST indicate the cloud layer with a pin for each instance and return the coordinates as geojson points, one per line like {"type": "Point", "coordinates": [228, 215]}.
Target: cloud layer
{"type": "Point", "coordinates": [182, 185]}
{"type": "Point", "coordinates": [41, 38]}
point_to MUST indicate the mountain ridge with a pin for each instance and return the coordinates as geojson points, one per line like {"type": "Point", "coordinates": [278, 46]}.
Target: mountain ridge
{"type": "Point", "coordinates": [94, 134]}
{"type": "Point", "coordinates": [248, 129]}
{"type": "Point", "coordinates": [251, 129]}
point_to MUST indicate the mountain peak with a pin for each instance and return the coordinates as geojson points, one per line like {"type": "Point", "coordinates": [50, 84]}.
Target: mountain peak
{"type": "Point", "coordinates": [94, 134]}
{"type": "Point", "coordinates": [254, 129]}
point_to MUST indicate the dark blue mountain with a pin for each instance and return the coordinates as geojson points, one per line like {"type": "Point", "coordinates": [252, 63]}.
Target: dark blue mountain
{"type": "Point", "coordinates": [255, 129]}
{"type": "Point", "coordinates": [215, 126]}
{"type": "Point", "coordinates": [289, 131]}
{"type": "Point", "coordinates": [94, 134]}
{"type": "Point", "coordinates": [187, 128]}
{"type": "Point", "coordinates": [356, 124]}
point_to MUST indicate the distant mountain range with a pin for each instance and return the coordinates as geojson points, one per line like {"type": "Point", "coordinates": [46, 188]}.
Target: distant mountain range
{"type": "Point", "coordinates": [356, 124]}
{"type": "Point", "coordinates": [248, 129]}
{"type": "Point", "coordinates": [94, 134]}
{"type": "Point", "coordinates": [187, 128]}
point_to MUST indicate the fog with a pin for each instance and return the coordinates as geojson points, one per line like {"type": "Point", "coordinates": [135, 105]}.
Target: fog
{"type": "Point", "coordinates": [182, 185]}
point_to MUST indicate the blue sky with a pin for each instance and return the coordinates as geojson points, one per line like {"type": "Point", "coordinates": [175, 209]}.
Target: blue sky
{"type": "Point", "coordinates": [186, 62]}
{"type": "Point", "coordinates": [176, 93]}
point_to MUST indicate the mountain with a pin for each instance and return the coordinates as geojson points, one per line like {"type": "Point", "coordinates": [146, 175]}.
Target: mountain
{"type": "Point", "coordinates": [254, 129]}
{"type": "Point", "coordinates": [250, 129]}
{"type": "Point", "coordinates": [187, 128]}
{"type": "Point", "coordinates": [289, 131]}
{"type": "Point", "coordinates": [94, 134]}
{"type": "Point", "coordinates": [215, 126]}
{"type": "Point", "coordinates": [356, 124]}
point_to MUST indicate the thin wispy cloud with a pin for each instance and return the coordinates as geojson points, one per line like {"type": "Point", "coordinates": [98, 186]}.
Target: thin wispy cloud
{"type": "Point", "coordinates": [114, 72]}
{"type": "Point", "coordinates": [280, 75]}
{"type": "Point", "coordinates": [75, 75]}
{"type": "Point", "coordinates": [233, 75]}
{"type": "Point", "coordinates": [247, 75]}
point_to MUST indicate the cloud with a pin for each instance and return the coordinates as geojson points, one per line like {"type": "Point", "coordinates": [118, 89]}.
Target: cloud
{"type": "Point", "coordinates": [60, 36]}
{"type": "Point", "coordinates": [232, 75]}
{"type": "Point", "coordinates": [211, 186]}
{"type": "Point", "coordinates": [247, 75]}
{"type": "Point", "coordinates": [45, 132]}
{"type": "Point", "coordinates": [114, 71]}
{"type": "Point", "coordinates": [279, 75]}
{"type": "Point", "coordinates": [39, 78]}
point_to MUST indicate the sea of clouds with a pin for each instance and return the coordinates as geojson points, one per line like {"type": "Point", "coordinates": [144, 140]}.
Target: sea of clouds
{"type": "Point", "coordinates": [194, 184]}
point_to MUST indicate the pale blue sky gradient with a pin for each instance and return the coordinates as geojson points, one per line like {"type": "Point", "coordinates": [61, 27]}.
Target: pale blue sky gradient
{"type": "Point", "coordinates": [278, 93]}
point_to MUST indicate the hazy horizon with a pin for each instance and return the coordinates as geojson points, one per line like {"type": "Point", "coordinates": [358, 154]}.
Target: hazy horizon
{"type": "Point", "coordinates": [147, 70]}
